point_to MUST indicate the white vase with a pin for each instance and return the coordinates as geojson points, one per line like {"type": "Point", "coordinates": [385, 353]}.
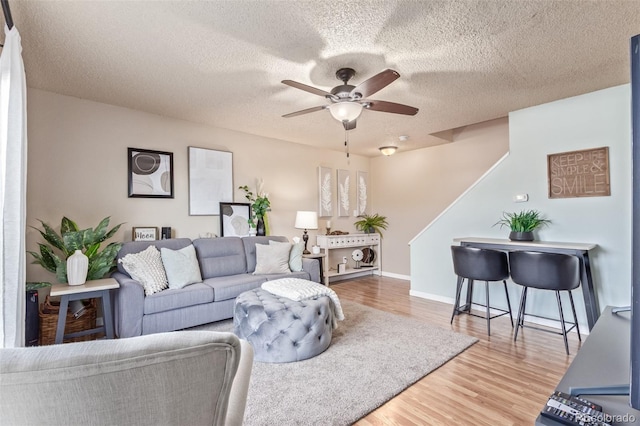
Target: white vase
{"type": "Point", "coordinates": [77, 267]}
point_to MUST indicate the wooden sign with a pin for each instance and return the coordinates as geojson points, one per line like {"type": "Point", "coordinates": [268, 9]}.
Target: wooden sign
{"type": "Point", "coordinates": [579, 173]}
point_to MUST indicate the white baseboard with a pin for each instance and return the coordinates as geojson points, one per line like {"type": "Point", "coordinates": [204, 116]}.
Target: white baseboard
{"type": "Point", "coordinates": [396, 276]}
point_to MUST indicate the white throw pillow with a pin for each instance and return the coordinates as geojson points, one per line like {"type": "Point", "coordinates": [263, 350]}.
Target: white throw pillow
{"type": "Point", "coordinates": [272, 259]}
{"type": "Point", "coordinates": [181, 266]}
{"type": "Point", "coordinates": [295, 255]}
{"type": "Point", "coordinates": [146, 268]}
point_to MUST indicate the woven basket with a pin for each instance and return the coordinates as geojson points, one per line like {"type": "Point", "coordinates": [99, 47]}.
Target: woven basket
{"type": "Point", "coordinates": [49, 322]}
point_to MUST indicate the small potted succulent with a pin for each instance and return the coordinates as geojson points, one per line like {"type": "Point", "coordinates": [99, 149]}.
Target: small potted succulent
{"type": "Point", "coordinates": [522, 224]}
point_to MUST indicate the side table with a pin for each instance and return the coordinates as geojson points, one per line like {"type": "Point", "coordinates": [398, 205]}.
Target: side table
{"type": "Point", "coordinates": [320, 258]}
{"type": "Point", "coordinates": [88, 290]}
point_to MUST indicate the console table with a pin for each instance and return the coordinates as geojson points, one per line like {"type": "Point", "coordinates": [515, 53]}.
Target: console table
{"type": "Point", "coordinates": [580, 250]}
{"type": "Point", "coordinates": [88, 290]}
{"type": "Point", "coordinates": [348, 241]}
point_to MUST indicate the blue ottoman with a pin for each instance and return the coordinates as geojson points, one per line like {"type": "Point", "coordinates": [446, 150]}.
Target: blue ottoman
{"type": "Point", "coordinates": [281, 329]}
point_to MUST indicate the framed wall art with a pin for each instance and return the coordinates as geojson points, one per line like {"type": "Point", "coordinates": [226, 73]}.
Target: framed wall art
{"type": "Point", "coordinates": [325, 192]}
{"type": "Point", "coordinates": [234, 219]}
{"type": "Point", "coordinates": [210, 180]}
{"type": "Point", "coordinates": [343, 192]}
{"type": "Point", "coordinates": [362, 192]}
{"type": "Point", "coordinates": [150, 173]}
{"type": "Point", "coordinates": [144, 233]}
{"type": "Point", "coordinates": [583, 173]}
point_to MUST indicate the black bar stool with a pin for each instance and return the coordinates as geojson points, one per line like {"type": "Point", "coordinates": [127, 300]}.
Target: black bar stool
{"type": "Point", "coordinates": [546, 271]}
{"type": "Point", "coordinates": [483, 265]}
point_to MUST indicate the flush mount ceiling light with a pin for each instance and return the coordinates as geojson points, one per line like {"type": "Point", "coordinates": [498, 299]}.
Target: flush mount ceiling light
{"type": "Point", "coordinates": [388, 150]}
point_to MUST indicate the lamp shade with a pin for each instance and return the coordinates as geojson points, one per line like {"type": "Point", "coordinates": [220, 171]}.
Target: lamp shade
{"type": "Point", "coordinates": [306, 220]}
{"type": "Point", "coordinates": [345, 111]}
{"type": "Point", "coordinates": [388, 150]}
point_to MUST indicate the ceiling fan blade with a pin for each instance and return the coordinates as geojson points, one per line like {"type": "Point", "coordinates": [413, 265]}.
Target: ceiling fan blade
{"type": "Point", "coordinates": [384, 106]}
{"type": "Point", "coordinates": [305, 111]}
{"type": "Point", "coordinates": [375, 83]}
{"type": "Point", "coordinates": [309, 89]}
{"type": "Point", "coordinates": [349, 125]}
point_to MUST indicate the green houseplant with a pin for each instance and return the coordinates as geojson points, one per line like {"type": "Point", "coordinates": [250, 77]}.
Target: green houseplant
{"type": "Point", "coordinates": [53, 256]}
{"type": "Point", "coordinates": [260, 205]}
{"type": "Point", "coordinates": [371, 223]}
{"type": "Point", "coordinates": [522, 224]}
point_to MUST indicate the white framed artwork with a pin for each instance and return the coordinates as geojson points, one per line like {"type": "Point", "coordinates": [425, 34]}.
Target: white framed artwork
{"type": "Point", "coordinates": [362, 192]}
{"type": "Point", "coordinates": [325, 192]}
{"type": "Point", "coordinates": [210, 180]}
{"type": "Point", "coordinates": [343, 192]}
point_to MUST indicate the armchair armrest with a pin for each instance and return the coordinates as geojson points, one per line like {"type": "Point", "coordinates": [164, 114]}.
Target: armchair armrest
{"type": "Point", "coordinates": [177, 378]}
{"type": "Point", "coordinates": [240, 387]}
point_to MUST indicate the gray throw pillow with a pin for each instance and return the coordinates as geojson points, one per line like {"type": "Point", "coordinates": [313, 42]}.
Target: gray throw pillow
{"type": "Point", "coordinates": [295, 255]}
{"type": "Point", "coordinates": [272, 259]}
{"type": "Point", "coordinates": [181, 266]}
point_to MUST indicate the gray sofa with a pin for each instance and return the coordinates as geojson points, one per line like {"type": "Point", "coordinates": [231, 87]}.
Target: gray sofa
{"type": "Point", "coordinates": [226, 265]}
{"type": "Point", "coordinates": [182, 378]}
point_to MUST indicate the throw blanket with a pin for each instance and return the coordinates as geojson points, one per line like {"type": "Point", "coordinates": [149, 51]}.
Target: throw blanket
{"type": "Point", "coordinates": [299, 289]}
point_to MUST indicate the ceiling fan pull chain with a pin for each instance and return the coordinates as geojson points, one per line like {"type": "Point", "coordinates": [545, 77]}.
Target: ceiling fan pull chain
{"type": "Point", "coordinates": [346, 143]}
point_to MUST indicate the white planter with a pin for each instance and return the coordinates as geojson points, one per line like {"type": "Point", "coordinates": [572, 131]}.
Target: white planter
{"type": "Point", "coordinates": [77, 267]}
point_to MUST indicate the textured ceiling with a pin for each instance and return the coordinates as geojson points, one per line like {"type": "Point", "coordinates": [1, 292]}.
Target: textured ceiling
{"type": "Point", "coordinates": [221, 62]}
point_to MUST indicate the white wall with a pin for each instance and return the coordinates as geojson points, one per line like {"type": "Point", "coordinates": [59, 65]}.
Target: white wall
{"type": "Point", "coordinates": [589, 121]}
{"type": "Point", "coordinates": [77, 166]}
{"type": "Point", "coordinates": [412, 188]}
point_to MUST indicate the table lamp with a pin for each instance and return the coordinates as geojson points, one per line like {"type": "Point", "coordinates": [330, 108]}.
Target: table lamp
{"type": "Point", "coordinates": [306, 220]}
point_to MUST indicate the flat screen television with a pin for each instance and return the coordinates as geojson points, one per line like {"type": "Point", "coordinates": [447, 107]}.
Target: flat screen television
{"type": "Point", "coordinates": [635, 225]}
{"type": "Point", "coordinates": [633, 388]}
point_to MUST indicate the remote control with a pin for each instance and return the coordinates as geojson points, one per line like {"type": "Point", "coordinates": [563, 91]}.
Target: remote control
{"type": "Point", "coordinates": [573, 411]}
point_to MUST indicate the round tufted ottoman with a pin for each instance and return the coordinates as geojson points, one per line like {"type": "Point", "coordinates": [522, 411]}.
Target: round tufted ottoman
{"type": "Point", "coordinates": [281, 329]}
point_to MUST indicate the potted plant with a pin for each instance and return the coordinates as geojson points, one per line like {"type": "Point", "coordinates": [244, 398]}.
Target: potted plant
{"type": "Point", "coordinates": [53, 256]}
{"type": "Point", "coordinates": [260, 204]}
{"type": "Point", "coordinates": [522, 224]}
{"type": "Point", "coordinates": [371, 223]}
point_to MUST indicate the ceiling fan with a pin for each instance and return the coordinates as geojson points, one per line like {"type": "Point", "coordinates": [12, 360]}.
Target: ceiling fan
{"type": "Point", "coordinates": [348, 101]}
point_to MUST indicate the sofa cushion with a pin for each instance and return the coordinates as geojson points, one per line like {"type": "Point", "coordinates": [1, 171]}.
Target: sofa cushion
{"type": "Point", "coordinates": [167, 300]}
{"type": "Point", "coordinates": [146, 268]}
{"type": "Point", "coordinates": [225, 288]}
{"type": "Point", "coordinates": [138, 246]}
{"type": "Point", "coordinates": [272, 259]}
{"type": "Point", "coordinates": [220, 257]}
{"type": "Point", "coordinates": [250, 248]}
{"type": "Point", "coordinates": [181, 266]}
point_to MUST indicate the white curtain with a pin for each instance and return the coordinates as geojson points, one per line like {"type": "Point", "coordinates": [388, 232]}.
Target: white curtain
{"type": "Point", "coordinates": [13, 188]}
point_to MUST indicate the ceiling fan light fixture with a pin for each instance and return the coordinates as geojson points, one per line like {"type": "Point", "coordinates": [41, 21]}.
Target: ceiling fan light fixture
{"type": "Point", "coordinates": [388, 150]}
{"type": "Point", "coordinates": [345, 111]}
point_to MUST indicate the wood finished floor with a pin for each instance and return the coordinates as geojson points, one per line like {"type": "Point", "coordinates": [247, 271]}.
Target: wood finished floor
{"type": "Point", "coordinates": [494, 382]}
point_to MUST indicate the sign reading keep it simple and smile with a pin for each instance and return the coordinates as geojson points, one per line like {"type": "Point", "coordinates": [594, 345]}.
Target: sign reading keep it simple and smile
{"type": "Point", "coordinates": [579, 173]}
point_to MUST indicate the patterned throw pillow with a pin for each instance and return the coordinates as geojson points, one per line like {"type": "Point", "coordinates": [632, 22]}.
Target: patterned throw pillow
{"type": "Point", "coordinates": [146, 268]}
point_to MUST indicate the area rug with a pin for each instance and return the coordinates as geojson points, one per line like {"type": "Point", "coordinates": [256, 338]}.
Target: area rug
{"type": "Point", "coordinates": [373, 356]}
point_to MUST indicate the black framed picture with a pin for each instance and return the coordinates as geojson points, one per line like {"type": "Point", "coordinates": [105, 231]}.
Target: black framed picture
{"type": "Point", "coordinates": [234, 219]}
{"type": "Point", "coordinates": [150, 173]}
